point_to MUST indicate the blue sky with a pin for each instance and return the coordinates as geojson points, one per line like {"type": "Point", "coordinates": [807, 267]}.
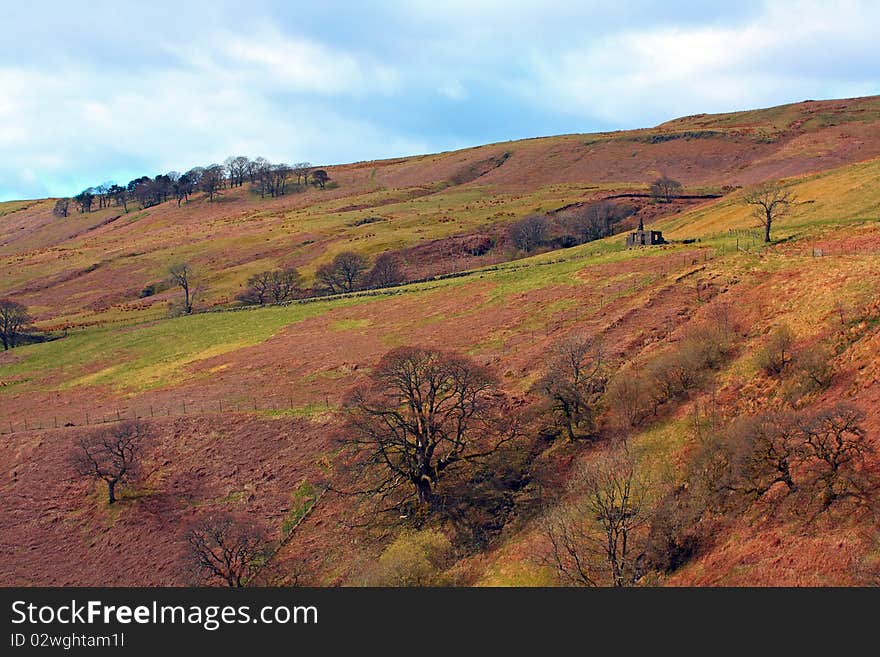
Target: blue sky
{"type": "Point", "coordinates": [98, 91]}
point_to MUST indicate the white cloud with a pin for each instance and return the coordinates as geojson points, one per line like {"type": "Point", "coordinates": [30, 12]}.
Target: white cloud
{"type": "Point", "coordinates": [69, 122]}
{"type": "Point", "coordinates": [454, 90]}
{"type": "Point", "coordinates": [633, 77]}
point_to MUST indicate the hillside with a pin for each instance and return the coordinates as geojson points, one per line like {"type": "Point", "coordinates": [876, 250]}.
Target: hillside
{"type": "Point", "coordinates": [245, 402]}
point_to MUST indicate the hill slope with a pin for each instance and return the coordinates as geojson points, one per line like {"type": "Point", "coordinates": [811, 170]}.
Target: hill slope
{"type": "Point", "coordinates": [244, 401]}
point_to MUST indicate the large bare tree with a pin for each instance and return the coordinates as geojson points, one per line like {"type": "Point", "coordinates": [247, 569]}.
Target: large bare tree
{"type": "Point", "coordinates": [226, 550]}
{"type": "Point", "coordinates": [14, 320]}
{"type": "Point", "coordinates": [770, 202]}
{"type": "Point", "coordinates": [111, 454]}
{"type": "Point", "coordinates": [423, 412]}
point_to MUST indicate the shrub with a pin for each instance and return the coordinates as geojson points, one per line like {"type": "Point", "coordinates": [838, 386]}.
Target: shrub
{"type": "Point", "coordinates": [776, 353]}
{"type": "Point", "coordinates": [629, 397]}
{"type": "Point", "coordinates": [529, 233]}
{"type": "Point", "coordinates": [415, 558]}
{"type": "Point", "coordinates": [675, 534]}
{"type": "Point", "coordinates": [814, 369]}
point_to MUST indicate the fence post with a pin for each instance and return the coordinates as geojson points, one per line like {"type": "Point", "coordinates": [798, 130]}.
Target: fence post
{"type": "Point", "coordinates": [184, 407]}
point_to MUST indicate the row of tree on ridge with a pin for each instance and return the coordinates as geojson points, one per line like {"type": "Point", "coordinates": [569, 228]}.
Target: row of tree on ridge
{"type": "Point", "coordinates": [262, 175]}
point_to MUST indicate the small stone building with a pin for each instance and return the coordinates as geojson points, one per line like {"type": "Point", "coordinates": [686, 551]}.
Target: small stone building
{"type": "Point", "coordinates": [642, 237]}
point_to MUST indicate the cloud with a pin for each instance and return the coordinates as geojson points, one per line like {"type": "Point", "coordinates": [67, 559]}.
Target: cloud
{"type": "Point", "coordinates": [258, 93]}
{"type": "Point", "coordinates": [781, 55]}
{"type": "Point", "coordinates": [454, 90]}
{"type": "Point", "coordinates": [346, 81]}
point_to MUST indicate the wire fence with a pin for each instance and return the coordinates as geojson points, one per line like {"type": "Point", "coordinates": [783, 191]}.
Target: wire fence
{"type": "Point", "coordinates": [269, 406]}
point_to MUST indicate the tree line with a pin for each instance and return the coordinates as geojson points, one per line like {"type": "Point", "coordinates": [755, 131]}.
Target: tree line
{"type": "Point", "coordinates": [263, 176]}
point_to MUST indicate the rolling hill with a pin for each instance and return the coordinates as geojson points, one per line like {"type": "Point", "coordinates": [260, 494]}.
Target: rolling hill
{"type": "Point", "coordinates": [245, 401]}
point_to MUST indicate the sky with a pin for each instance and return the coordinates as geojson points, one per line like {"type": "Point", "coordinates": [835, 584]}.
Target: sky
{"type": "Point", "coordinates": [95, 91]}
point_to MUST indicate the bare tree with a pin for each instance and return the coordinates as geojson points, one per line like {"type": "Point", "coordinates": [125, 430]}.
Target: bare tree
{"type": "Point", "coordinates": [14, 320]}
{"type": "Point", "coordinates": [344, 273]}
{"type": "Point", "coordinates": [183, 276]}
{"type": "Point", "coordinates": [776, 353]}
{"type": "Point", "coordinates": [769, 202]}
{"type": "Point", "coordinates": [595, 541]}
{"type": "Point", "coordinates": [665, 188]}
{"type": "Point", "coordinates": [423, 412]}
{"type": "Point", "coordinates": [212, 180]}
{"type": "Point", "coordinates": [85, 199]}
{"type": "Point", "coordinates": [837, 451]}
{"type": "Point", "coordinates": [61, 208]}
{"type": "Point", "coordinates": [236, 169]}
{"type": "Point", "coordinates": [573, 384]}
{"type": "Point", "coordinates": [257, 291]}
{"type": "Point", "coordinates": [119, 194]}
{"type": "Point", "coordinates": [112, 455]}
{"type": "Point", "coordinates": [302, 170]}
{"type": "Point", "coordinates": [529, 233]}
{"type": "Point", "coordinates": [596, 220]}
{"type": "Point", "coordinates": [760, 452]}
{"type": "Point", "coordinates": [320, 178]}
{"type": "Point", "coordinates": [284, 284]}
{"type": "Point", "coordinates": [630, 396]}
{"type": "Point", "coordinates": [386, 271]}
{"type": "Point", "coordinates": [225, 550]}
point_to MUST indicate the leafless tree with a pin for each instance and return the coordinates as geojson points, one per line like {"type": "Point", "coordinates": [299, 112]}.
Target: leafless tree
{"type": "Point", "coordinates": [595, 540]}
{"type": "Point", "coordinates": [257, 291]}
{"type": "Point", "coordinates": [61, 208]}
{"type": "Point", "coordinates": [762, 451]}
{"type": "Point", "coordinates": [183, 276]}
{"type": "Point", "coordinates": [386, 271]}
{"type": "Point", "coordinates": [284, 284]}
{"type": "Point", "coordinates": [302, 170]}
{"type": "Point", "coordinates": [111, 454]}
{"type": "Point", "coordinates": [85, 199]}
{"type": "Point", "coordinates": [14, 320]}
{"type": "Point", "coordinates": [770, 202]}
{"type": "Point", "coordinates": [212, 180]}
{"type": "Point", "coordinates": [423, 412]}
{"type": "Point", "coordinates": [274, 286]}
{"type": "Point", "coordinates": [596, 220]}
{"type": "Point", "coordinates": [529, 233]}
{"type": "Point", "coordinates": [320, 178]}
{"type": "Point", "coordinates": [630, 396]}
{"type": "Point", "coordinates": [776, 353]}
{"type": "Point", "coordinates": [837, 451]}
{"type": "Point", "coordinates": [573, 384]}
{"type": "Point", "coordinates": [236, 169]}
{"type": "Point", "coordinates": [226, 550]}
{"type": "Point", "coordinates": [119, 194]}
{"type": "Point", "coordinates": [665, 188]}
{"type": "Point", "coordinates": [344, 274]}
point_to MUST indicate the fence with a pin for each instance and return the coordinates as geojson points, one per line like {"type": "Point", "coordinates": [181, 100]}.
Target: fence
{"type": "Point", "coordinates": [280, 406]}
